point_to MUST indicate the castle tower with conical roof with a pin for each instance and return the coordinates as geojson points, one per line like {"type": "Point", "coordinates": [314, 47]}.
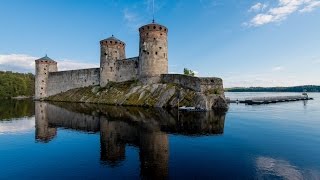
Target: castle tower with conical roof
{"type": "Point", "coordinates": [153, 53]}
{"type": "Point", "coordinates": [111, 50]}
{"type": "Point", "coordinates": [44, 65]}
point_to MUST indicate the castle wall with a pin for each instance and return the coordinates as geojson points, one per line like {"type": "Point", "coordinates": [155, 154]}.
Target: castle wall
{"type": "Point", "coordinates": [127, 69]}
{"type": "Point", "coordinates": [211, 85]}
{"type": "Point", "coordinates": [63, 81]}
{"type": "Point", "coordinates": [182, 80]}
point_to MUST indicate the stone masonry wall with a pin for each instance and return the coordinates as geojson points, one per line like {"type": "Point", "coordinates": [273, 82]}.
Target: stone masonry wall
{"type": "Point", "coordinates": [208, 84]}
{"type": "Point", "coordinates": [110, 52]}
{"type": "Point", "coordinates": [43, 68]}
{"type": "Point", "coordinates": [63, 81]}
{"type": "Point", "coordinates": [127, 69]}
{"type": "Point", "coordinates": [153, 52]}
{"type": "Point", "coordinates": [212, 85]}
{"type": "Point", "coordinates": [182, 80]}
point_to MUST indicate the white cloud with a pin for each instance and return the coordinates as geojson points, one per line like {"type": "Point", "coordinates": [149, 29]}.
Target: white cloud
{"type": "Point", "coordinates": [261, 19]}
{"type": "Point", "coordinates": [258, 7]}
{"type": "Point", "coordinates": [313, 5]}
{"type": "Point", "coordinates": [72, 64]}
{"type": "Point", "coordinates": [132, 20]}
{"type": "Point", "coordinates": [25, 63]}
{"type": "Point", "coordinates": [278, 68]}
{"type": "Point", "coordinates": [280, 12]}
{"type": "Point", "coordinates": [17, 62]}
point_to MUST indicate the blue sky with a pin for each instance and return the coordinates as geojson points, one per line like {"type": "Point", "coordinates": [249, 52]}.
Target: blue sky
{"type": "Point", "coordinates": [247, 42]}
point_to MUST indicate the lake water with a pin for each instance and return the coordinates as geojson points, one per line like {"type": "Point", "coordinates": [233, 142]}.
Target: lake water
{"type": "Point", "coordinates": [59, 141]}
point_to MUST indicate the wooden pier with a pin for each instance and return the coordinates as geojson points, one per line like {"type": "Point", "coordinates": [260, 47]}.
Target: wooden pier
{"type": "Point", "coordinates": [269, 100]}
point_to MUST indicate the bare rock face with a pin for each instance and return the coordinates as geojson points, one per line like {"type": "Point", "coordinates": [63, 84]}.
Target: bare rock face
{"type": "Point", "coordinates": [150, 95]}
{"type": "Point", "coordinates": [165, 97]}
{"type": "Point", "coordinates": [220, 103]}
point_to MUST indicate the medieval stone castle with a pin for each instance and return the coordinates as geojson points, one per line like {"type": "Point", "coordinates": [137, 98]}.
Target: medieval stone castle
{"type": "Point", "coordinates": [114, 66]}
{"type": "Point", "coordinates": [151, 66]}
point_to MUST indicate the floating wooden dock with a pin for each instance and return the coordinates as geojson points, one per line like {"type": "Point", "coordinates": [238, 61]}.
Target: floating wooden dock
{"type": "Point", "coordinates": [269, 100]}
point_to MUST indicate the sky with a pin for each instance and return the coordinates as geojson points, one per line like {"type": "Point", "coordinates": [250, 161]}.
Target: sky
{"type": "Point", "coordinates": [245, 42]}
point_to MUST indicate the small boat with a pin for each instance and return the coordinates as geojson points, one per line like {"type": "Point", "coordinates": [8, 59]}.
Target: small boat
{"type": "Point", "coordinates": [194, 109]}
{"type": "Point", "coordinates": [305, 93]}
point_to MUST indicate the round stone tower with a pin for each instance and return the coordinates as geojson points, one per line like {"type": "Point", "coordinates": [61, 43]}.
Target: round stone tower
{"type": "Point", "coordinates": [44, 65]}
{"type": "Point", "coordinates": [112, 49]}
{"type": "Point", "coordinates": [153, 53]}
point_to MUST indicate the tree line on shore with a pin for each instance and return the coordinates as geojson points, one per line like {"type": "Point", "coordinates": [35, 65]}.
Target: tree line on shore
{"type": "Point", "coordinates": [16, 84]}
{"type": "Point", "coordinates": [307, 88]}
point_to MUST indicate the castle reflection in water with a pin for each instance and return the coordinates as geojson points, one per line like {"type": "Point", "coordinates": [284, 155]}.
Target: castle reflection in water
{"type": "Point", "coordinates": [146, 129]}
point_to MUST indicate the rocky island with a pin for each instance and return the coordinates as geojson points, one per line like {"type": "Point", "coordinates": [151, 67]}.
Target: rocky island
{"type": "Point", "coordinates": [138, 81]}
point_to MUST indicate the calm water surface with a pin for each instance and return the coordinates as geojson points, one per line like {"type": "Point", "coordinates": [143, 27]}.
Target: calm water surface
{"type": "Point", "coordinates": [59, 141]}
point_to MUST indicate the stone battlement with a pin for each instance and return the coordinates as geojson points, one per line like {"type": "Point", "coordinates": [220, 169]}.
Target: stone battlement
{"type": "Point", "coordinates": [197, 84]}
{"type": "Point", "coordinates": [153, 27]}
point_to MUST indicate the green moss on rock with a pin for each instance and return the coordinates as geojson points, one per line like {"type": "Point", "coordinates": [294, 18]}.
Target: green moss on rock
{"type": "Point", "coordinates": [131, 93]}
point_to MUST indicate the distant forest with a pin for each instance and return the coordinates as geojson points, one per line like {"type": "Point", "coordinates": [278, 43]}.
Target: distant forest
{"type": "Point", "coordinates": [308, 88]}
{"type": "Point", "coordinates": [16, 84]}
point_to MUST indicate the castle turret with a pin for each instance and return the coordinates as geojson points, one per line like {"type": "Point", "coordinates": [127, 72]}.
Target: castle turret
{"type": "Point", "coordinates": [44, 65]}
{"type": "Point", "coordinates": [153, 54]}
{"type": "Point", "coordinates": [112, 49]}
